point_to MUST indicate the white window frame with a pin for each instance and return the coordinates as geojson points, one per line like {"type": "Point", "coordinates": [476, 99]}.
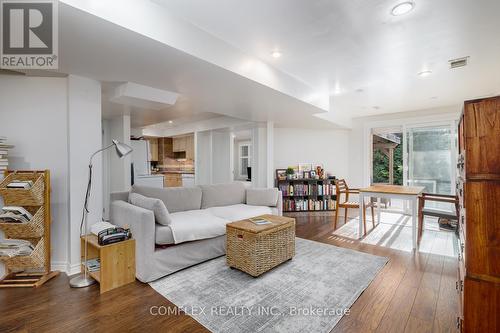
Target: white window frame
{"type": "Point", "coordinates": [240, 157]}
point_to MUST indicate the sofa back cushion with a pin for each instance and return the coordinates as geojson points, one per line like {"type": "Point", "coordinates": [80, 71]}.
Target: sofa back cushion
{"type": "Point", "coordinates": [262, 197]}
{"type": "Point", "coordinates": [222, 194]}
{"type": "Point", "coordinates": [176, 199]}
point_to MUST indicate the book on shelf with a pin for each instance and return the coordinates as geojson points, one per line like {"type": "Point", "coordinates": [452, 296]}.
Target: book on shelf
{"type": "Point", "coordinates": [297, 205]}
{"type": "Point", "coordinates": [10, 217]}
{"type": "Point", "coordinates": [18, 211]}
{"type": "Point", "coordinates": [259, 221]}
{"type": "Point", "coordinates": [92, 265]}
{"type": "Point", "coordinates": [15, 247]}
{"type": "Point", "coordinates": [20, 184]}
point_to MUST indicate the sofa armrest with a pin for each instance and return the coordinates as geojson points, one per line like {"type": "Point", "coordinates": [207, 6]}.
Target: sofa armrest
{"type": "Point", "coordinates": [142, 225]}
{"type": "Point", "coordinates": [279, 204]}
{"type": "Point", "coordinates": [119, 196]}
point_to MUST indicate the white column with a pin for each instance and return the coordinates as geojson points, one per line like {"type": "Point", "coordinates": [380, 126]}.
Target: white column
{"type": "Point", "coordinates": [120, 169]}
{"type": "Point", "coordinates": [84, 138]}
{"type": "Point", "coordinates": [270, 154]}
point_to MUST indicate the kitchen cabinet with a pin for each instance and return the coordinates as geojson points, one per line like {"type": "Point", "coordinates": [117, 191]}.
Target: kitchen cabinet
{"type": "Point", "coordinates": [184, 144]}
{"type": "Point", "coordinates": [179, 144]}
{"type": "Point", "coordinates": [172, 180]}
{"type": "Point", "coordinates": [153, 147]}
{"type": "Point", "coordinates": [190, 147]}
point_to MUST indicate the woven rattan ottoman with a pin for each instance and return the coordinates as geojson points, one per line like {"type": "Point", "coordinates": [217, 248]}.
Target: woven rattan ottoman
{"type": "Point", "coordinates": [255, 249]}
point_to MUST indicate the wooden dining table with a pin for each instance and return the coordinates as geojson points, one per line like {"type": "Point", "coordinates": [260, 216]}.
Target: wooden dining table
{"type": "Point", "coordinates": [408, 193]}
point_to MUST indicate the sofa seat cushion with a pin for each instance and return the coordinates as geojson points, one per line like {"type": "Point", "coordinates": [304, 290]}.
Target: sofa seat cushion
{"type": "Point", "coordinates": [239, 211]}
{"type": "Point", "coordinates": [163, 235]}
{"type": "Point", "coordinates": [194, 225]}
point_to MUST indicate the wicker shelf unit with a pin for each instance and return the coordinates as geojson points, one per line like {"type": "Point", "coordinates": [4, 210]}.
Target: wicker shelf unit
{"type": "Point", "coordinates": [33, 270]}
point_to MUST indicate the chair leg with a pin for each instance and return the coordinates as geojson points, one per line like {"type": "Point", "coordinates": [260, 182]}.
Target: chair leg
{"type": "Point", "coordinates": [420, 220]}
{"type": "Point", "coordinates": [364, 219]}
{"type": "Point", "coordinates": [336, 218]}
{"type": "Point", "coordinates": [345, 215]}
{"type": "Point", "coordinates": [373, 216]}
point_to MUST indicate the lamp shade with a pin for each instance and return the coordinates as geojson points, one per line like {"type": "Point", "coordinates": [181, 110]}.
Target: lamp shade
{"type": "Point", "coordinates": [122, 149]}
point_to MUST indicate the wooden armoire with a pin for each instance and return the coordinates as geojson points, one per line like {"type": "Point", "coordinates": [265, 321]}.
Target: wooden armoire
{"type": "Point", "coordinates": [478, 188]}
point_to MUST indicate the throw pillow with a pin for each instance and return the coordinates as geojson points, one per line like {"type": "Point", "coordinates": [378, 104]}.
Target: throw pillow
{"type": "Point", "coordinates": [156, 205]}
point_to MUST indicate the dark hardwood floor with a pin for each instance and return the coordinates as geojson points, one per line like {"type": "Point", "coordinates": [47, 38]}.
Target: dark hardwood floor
{"type": "Point", "coordinates": [413, 293]}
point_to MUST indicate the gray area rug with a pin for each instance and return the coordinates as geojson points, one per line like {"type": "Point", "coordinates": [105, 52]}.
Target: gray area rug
{"type": "Point", "coordinates": [310, 293]}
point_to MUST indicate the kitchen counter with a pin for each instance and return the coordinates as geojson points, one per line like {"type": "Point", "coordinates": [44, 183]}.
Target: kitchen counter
{"type": "Point", "coordinates": [174, 172]}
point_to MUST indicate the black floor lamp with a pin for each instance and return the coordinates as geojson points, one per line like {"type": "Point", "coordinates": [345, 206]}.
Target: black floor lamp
{"type": "Point", "coordinates": [84, 280]}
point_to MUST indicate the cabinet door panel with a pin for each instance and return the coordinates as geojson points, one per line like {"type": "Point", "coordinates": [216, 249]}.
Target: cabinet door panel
{"type": "Point", "coordinates": [483, 227]}
{"type": "Point", "coordinates": [482, 133]}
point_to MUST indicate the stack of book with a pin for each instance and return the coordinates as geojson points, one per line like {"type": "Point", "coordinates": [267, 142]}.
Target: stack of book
{"type": "Point", "coordinates": [15, 247]}
{"type": "Point", "coordinates": [23, 184]}
{"type": "Point", "coordinates": [14, 214]}
{"type": "Point", "coordinates": [93, 265]}
{"type": "Point", "coordinates": [4, 150]}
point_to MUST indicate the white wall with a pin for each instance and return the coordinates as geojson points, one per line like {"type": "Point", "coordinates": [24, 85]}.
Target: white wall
{"type": "Point", "coordinates": [203, 160]}
{"type": "Point", "coordinates": [221, 157]}
{"type": "Point", "coordinates": [33, 116]}
{"type": "Point", "coordinates": [328, 147]}
{"type": "Point", "coordinates": [51, 120]}
{"type": "Point", "coordinates": [259, 157]}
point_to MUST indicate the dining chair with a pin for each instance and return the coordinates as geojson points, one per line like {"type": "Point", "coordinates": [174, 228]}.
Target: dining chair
{"type": "Point", "coordinates": [423, 211]}
{"type": "Point", "coordinates": [343, 191]}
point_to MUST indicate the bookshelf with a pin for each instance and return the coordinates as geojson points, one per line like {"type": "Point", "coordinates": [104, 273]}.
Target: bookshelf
{"type": "Point", "coordinates": [307, 195]}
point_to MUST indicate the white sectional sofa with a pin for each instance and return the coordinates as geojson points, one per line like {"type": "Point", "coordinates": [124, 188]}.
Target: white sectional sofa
{"type": "Point", "coordinates": [197, 227]}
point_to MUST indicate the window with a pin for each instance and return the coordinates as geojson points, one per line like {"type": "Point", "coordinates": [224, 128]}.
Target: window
{"type": "Point", "coordinates": [244, 158]}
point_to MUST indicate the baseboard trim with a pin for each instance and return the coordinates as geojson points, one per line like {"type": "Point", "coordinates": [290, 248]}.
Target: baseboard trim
{"type": "Point", "coordinates": [65, 267]}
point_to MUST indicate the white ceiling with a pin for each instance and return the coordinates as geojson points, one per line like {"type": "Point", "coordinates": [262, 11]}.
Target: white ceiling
{"type": "Point", "coordinates": [358, 52]}
{"type": "Point", "coordinates": [96, 48]}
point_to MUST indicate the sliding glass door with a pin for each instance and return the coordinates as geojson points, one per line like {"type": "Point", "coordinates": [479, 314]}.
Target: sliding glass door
{"type": "Point", "coordinates": [416, 155]}
{"type": "Point", "coordinates": [430, 158]}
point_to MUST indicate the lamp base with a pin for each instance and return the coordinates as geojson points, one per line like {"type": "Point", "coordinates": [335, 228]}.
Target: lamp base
{"type": "Point", "coordinates": [81, 281]}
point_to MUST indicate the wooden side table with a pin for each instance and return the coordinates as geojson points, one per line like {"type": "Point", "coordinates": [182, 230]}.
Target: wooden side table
{"type": "Point", "coordinates": [117, 262]}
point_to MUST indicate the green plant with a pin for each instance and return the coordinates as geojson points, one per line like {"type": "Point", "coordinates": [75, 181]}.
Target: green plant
{"type": "Point", "coordinates": [290, 171]}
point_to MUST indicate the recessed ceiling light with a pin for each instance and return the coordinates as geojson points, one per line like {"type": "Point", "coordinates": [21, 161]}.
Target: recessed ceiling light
{"type": "Point", "coordinates": [170, 121]}
{"type": "Point", "coordinates": [276, 54]}
{"type": "Point", "coordinates": [425, 73]}
{"type": "Point", "coordinates": [403, 8]}
{"type": "Point", "coordinates": [337, 91]}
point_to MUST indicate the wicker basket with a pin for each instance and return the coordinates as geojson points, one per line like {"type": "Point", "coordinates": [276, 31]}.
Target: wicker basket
{"type": "Point", "coordinates": [256, 253]}
{"type": "Point", "coordinates": [33, 229]}
{"type": "Point", "coordinates": [23, 197]}
{"type": "Point", "coordinates": [35, 260]}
